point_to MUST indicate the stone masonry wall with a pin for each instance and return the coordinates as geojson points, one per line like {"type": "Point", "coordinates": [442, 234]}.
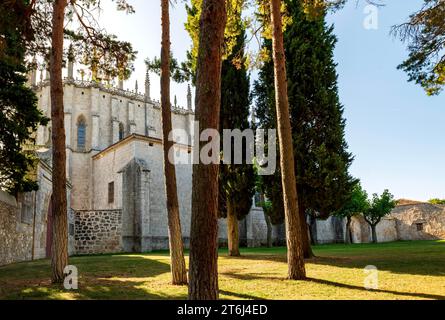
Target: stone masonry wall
{"type": "Point", "coordinates": [98, 231]}
{"type": "Point", "coordinates": [15, 236]}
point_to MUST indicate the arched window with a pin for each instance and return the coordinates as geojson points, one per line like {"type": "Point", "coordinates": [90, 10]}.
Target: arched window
{"type": "Point", "coordinates": [81, 132]}
{"type": "Point", "coordinates": [121, 131]}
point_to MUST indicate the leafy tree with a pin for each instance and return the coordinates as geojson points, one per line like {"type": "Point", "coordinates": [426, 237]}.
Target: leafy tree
{"type": "Point", "coordinates": [356, 204]}
{"type": "Point", "coordinates": [424, 32]}
{"type": "Point", "coordinates": [322, 160]}
{"type": "Point", "coordinates": [437, 201]}
{"type": "Point", "coordinates": [236, 181]}
{"type": "Point", "coordinates": [20, 116]}
{"type": "Point", "coordinates": [231, 30]}
{"type": "Point", "coordinates": [380, 206]}
{"type": "Point", "coordinates": [179, 72]}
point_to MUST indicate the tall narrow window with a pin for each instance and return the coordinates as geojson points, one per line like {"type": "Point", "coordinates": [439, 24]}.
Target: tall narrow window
{"type": "Point", "coordinates": [121, 131]}
{"type": "Point", "coordinates": [111, 192]}
{"type": "Point", "coordinates": [81, 133]}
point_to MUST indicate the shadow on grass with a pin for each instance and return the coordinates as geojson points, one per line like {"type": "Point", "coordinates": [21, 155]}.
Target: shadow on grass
{"type": "Point", "coordinates": [32, 280]}
{"type": "Point", "coordinates": [257, 276]}
{"type": "Point", "coordinates": [352, 287]}
{"type": "Point", "coordinates": [237, 295]}
{"type": "Point", "coordinates": [400, 257]}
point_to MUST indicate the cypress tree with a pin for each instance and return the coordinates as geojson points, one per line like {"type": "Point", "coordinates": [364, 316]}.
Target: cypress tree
{"type": "Point", "coordinates": [322, 159]}
{"type": "Point", "coordinates": [237, 181]}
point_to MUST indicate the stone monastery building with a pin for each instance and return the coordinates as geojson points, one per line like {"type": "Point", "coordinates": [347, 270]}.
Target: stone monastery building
{"type": "Point", "coordinates": [116, 193]}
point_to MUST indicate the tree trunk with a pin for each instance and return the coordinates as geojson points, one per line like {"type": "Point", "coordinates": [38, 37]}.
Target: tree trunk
{"type": "Point", "coordinates": [178, 269]}
{"type": "Point", "coordinates": [313, 229]}
{"type": "Point", "coordinates": [269, 230]}
{"type": "Point", "coordinates": [348, 233]}
{"type": "Point", "coordinates": [59, 256]}
{"type": "Point", "coordinates": [232, 230]}
{"type": "Point", "coordinates": [295, 254]}
{"type": "Point", "coordinates": [203, 270]}
{"type": "Point", "coordinates": [306, 243]}
{"type": "Point", "coordinates": [374, 233]}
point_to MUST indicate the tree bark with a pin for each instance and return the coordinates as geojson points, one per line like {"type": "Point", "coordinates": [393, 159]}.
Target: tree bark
{"type": "Point", "coordinates": [232, 230]}
{"type": "Point", "coordinates": [306, 243]}
{"type": "Point", "coordinates": [313, 229]}
{"type": "Point", "coordinates": [203, 270]}
{"type": "Point", "coordinates": [295, 254]}
{"type": "Point", "coordinates": [59, 256]}
{"type": "Point", "coordinates": [348, 234]}
{"type": "Point", "coordinates": [178, 269]}
{"type": "Point", "coordinates": [269, 230]}
{"type": "Point", "coordinates": [374, 233]}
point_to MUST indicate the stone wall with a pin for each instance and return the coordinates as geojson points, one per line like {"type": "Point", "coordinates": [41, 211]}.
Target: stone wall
{"type": "Point", "coordinates": [98, 231]}
{"type": "Point", "coordinates": [423, 221]}
{"type": "Point", "coordinates": [24, 221]}
{"type": "Point", "coordinates": [330, 230]}
{"type": "Point", "coordinates": [15, 234]}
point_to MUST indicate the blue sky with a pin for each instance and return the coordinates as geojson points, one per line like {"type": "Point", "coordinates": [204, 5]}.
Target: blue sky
{"type": "Point", "coordinates": [394, 130]}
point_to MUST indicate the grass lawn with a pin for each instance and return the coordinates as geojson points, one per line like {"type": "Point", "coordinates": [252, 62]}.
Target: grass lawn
{"type": "Point", "coordinates": [407, 270]}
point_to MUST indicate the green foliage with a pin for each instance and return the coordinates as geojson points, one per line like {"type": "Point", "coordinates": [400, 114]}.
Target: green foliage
{"type": "Point", "coordinates": [425, 34]}
{"type": "Point", "coordinates": [380, 206]}
{"type": "Point", "coordinates": [19, 117]}
{"type": "Point", "coordinates": [357, 203]}
{"type": "Point", "coordinates": [91, 45]}
{"type": "Point", "coordinates": [321, 156]}
{"type": "Point", "coordinates": [179, 72]}
{"type": "Point", "coordinates": [232, 31]}
{"type": "Point", "coordinates": [236, 181]}
{"type": "Point", "coordinates": [437, 201]}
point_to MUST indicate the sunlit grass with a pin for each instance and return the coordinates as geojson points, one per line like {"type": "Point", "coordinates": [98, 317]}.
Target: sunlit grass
{"type": "Point", "coordinates": [407, 270]}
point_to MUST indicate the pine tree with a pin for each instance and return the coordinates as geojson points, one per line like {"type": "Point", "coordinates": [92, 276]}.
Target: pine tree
{"type": "Point", "coordinates": [295, 258]}
{"type": "Point", "coordinates": [178, 269]}
{"type": "Point", "coordinates": [322, 160]}
{"type": "Point", "coordinates": [236, 181]}
{"type": "Point", "coordinates": [20, 116]}
{"type": "Point", "coordinates": [203, 270]}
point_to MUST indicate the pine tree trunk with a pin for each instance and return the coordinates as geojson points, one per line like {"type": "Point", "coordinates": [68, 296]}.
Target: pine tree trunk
{"type": "Point", "coordinates": [348, 235]}
{"type": "Point", "coordinates": [306, 243]}
{"type": "Point", "coordinates": [313, 229]}
{"type": "Point", "coordinates": [232, 230]}
{"type": "Point", "coordinates": [203, 270]}
{"type": "Point", "coordinates": [178, 269]}
{"type": "Point", "coordinates": [59, 256]}
{"type": "Point", "coordinates": [374, 233]}
{"type": "Point", "coordinates": [269, 229]}
{"type": "Point", "coordinates": [295, 254]}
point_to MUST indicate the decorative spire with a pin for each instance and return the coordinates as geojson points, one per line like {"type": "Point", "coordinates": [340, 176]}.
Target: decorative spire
{"type": "Point", "coordinates": [41, 74]}
{"type": "Point", "coordinates": [189, 98]}
{"type": "Point", "coordinates": [147, 86]}
{"type": "Point", "coordinates": [71, 63]}
{"type": "Point", "coordinates": [176, 102]}
{"type": "Point", "coordinates": [136, 88]}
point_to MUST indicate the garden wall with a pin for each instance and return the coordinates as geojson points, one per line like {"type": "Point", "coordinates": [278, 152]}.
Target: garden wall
{"type": "Point", "coordinates": [15, 234]}
{"type": "Point", "coordinates": [98, 231]}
